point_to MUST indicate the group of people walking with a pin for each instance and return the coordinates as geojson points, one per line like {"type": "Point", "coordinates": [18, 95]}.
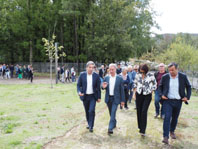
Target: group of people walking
{"type": "Point", "coordinates": [17, 71]}
{"type": "Point", "coordinates": [121, 84]}
{"type": "Point", "coordinates": [66, 75]}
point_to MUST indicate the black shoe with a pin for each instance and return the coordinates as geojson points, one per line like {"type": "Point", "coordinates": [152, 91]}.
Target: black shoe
{"type": "Point", "coordinates": [110, 132]}
{"type": "Point", "coordinates": [87, 127]}
{"type": "Point", "coordinates": [90, 130]}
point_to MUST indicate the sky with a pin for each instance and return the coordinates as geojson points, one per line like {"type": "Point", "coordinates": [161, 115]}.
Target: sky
{"type": "Point", "coordinates": [175, 16]}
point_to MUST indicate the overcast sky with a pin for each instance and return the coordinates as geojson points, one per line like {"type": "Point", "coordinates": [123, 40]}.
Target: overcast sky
{"type": "Point", "coordinates": [176, 16]}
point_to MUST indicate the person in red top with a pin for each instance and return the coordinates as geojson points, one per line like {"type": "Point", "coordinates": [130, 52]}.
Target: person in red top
{"type": "Point", "coordinates": [158, 77]}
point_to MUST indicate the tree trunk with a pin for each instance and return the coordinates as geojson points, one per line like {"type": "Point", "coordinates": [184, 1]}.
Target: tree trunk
{"type": "Point", "coordinates": [61, 36]}
{"type": "Point", "coordinates": [76, 42]}
{"type": "Point", "coordinates": [31, 54]}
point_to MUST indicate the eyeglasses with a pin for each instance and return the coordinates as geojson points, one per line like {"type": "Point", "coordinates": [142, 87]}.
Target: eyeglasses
{"type": "Point", "coordinates": [142, 72]}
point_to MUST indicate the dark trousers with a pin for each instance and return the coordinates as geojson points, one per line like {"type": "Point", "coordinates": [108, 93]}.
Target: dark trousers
{"type": "Point", "coordinates": [142, 103]}
{"type": "Point", "coordinates": [67, 78]}
{"type": "Point", "coordinates": [126, 92]}
{"type": "Point", "coordinates": [89, 105]}
{"type": "Point", "coordinates": [157, 104]}
{"type": "Point", "coordinates": [130, 93]}
{"type": "Point", "coordinates": [31, 79]}
{"type": "Point", "coordinates": [172, 109]}
{"type": "Point", "coordinates": [112, 106]}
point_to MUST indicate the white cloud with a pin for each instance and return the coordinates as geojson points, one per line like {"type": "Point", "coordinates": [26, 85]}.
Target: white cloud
{"type": "Point", "coordinates": [176, 16]}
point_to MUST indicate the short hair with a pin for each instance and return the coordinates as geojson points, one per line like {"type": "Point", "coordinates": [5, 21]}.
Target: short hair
{"type": "Point", "coordinates": [173, 64]}
{"type": "Point", "coordinates": [124, 68]}
{"type": "Point", "coordinates": [114, 65]}
{"type": "Point", "coordinates": [90, 63]}
{"type": "Point", "coordinates": [136, 67]}
{"type": "Point", "coordinates": [144, 67]}
{"type": "Point", "coordinates": [130, 67]}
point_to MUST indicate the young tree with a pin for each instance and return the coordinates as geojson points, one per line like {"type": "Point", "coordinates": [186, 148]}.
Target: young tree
{"type": "Point", "coordinates": [50, 48]}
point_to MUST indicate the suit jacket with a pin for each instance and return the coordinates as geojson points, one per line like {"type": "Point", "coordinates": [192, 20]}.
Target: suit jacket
{"type": "Point", "coordinates": [119, 95]}
{"type": "Point", "coordinates": [101, 73]}
{"type": "Point", "coordinates": [184, 85]}
{"type": "Point", "coordinates": [82, 85]}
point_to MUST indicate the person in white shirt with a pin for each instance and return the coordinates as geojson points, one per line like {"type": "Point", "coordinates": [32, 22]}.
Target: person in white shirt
{"type": "Point", "coordinates": [113, 84]}
{"type": "Point", "coordinates": [88, 88]}
{"type": "Point", "coordinates": [67, 75]}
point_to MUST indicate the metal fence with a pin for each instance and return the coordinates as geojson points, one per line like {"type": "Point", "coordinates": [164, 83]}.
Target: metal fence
{"type": "Point", "coordinates": [45, 67]}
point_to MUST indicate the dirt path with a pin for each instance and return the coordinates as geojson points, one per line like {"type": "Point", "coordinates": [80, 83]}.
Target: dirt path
{"type": "Point", "coordinates": [125, 135]}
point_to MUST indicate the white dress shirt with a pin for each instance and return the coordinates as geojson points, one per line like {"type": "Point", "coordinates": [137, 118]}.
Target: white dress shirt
{"type": "Point", "coordinates": [89, 84]}
{"type": "Point", "coordinates": [112, 81]}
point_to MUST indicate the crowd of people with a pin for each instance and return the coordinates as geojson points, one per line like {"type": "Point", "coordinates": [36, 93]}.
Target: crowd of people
{"type": "Point", "coordinates": [66, 75]}
{"type": "Point", "coordinates": [121, 85]}
{"type": "Point", "coordinates": [17, 71]}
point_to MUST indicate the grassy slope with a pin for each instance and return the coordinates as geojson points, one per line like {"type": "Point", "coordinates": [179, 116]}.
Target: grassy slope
{"type": "Point", "coordinates": [31, 115]}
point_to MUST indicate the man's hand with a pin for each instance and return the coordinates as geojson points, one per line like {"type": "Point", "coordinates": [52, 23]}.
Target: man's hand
{"type": "Point", "coordinates": [164, 97]}
{"type": "Point", "coordinates": [99, 100]}
{"type": "Point", "coordinates": [81, 94]}
{"type": "Point", "coordinates": [104, 84]}
{"type": "Point", "coordinates": [134, 96]}
{"type": "Point", "coordinates": [122, 104]}
{"type": "Point", "coordinates": [184, 99]}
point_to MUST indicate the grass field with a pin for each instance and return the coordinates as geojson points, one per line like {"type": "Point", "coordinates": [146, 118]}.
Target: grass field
{"type": "Point", "coordinates": [34, 115]}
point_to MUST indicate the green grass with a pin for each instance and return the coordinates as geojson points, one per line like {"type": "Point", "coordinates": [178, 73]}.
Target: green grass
{"type": "Point", "coordinates": [39, 74]}
{"type": "Point", "coordinates": [31, 115]}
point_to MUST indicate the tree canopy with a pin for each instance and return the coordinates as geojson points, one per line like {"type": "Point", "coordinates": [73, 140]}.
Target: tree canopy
{"type": "Point", "coordinates": [99, 30]}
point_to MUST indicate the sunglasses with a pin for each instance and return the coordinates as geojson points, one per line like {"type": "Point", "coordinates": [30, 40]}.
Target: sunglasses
{"type": "Point", "coordinates": [142, 72]}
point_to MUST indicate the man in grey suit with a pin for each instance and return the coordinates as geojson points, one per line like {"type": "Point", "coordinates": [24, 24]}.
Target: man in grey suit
{"type": "Point", "coordinates": [113, 84]}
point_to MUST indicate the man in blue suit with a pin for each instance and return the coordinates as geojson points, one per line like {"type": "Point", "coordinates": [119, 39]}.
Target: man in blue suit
{"type": "Point", "coordinates": [174, 88]}
{"type": "Point", "coordinates": [88, 88]}
{"type": "Point", "coordinates": [113, 84]}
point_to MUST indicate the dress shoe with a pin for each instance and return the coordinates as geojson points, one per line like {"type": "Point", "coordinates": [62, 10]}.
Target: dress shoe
{"type": "Point", "coordinates": [110, 132]}
{"type": "Point", "coordinates": [156, 115]}
{"type": "Point", "coordinates": [165, 140]}
{"type": "Point", "coordinates": [162, 116]}
{"type": "Point", "coordinates": [143, 134]}
{"type": "Point", "coordinates": [172, 134]}
{"type": "Point", "coordinates": [90, 130]}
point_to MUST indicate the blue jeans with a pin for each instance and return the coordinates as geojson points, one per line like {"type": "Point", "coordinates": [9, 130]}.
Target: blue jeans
{"type": "Point", "coordinates": [157, 103]}
{"type": "Point", "coordinates": [112, 106]}
{"type": "Point", "coordinates": [89, 105]}
{"type": "Point", "coordinates": [73, 79]}
{"type": "Point", "coordinates": [172, 109]}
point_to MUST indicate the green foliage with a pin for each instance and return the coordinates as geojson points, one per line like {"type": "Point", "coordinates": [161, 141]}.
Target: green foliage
{"type": "Point", "coordinates": [104, 31]}
{"type": "Point", "coordinates": [182, 53]}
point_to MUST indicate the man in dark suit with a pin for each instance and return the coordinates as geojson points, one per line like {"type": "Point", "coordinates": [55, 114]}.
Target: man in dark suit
{"type": "Point", "coordinates": [174, 89]}
{"type": "Point", "coordinates": [101, 72]}
{"type": "Point", "coordinates": [113, 84]}
{"type": "Point", "coordinates": [88, 88]}
{"type": "Point", "coordinates": [119, 69]}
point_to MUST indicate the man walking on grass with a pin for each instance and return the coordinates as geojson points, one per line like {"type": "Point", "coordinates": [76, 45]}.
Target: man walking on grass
{"type": "Point", "coordinates": [174, 89]}
{"type": "Point", "coordinates": [88, 88]}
